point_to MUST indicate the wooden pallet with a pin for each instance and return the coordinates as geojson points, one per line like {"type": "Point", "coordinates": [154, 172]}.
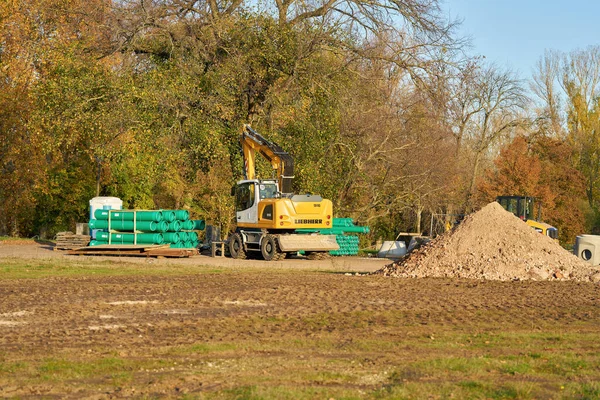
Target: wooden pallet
{"type": "Point", "coordinates": [133, 251]}
{"type": "Point", "coordinates": [70, 241]}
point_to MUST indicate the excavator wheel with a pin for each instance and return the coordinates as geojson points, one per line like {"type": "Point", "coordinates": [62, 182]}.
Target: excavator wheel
{"type": "Point", "coordinates": [236, 247]}
{"type": "Point", "coordinates": [269, 248]}
{"type": "Point", "coordinates": [318, 255]}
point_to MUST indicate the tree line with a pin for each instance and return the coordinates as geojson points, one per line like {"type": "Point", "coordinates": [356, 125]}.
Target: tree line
{"type": "Point", "coordinates": [380, 103]}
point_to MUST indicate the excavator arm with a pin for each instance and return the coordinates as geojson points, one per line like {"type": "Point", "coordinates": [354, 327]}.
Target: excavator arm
{"type": "Point", "coordinates": [281, 161]}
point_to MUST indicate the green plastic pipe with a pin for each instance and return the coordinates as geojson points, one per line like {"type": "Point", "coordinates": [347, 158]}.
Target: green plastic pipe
{"type": "Point", "coordinates": [179, 215]}
{"type": "Point", "coordinates": [169, 215]}
{"type": "Point", "coordinates": [199, 225]}
{"type": "Point", "coordinates": [128, 215]}
{"type": "Point", "coordinates": [183, 236]}
{"type": "Point", "coordinates": [187, 225]}
{"type": "Point", "coordinates": [343, 222]}
{"type": "Point", "coordinates": [171, 237]}
{"type": "Point", "coordinates": [125, 226]}
{"type": "Point", "coordinates": [336, 230]}
{"type": "Point", "coordinates": [174, 226]}
{"type": "Point", "coordinates": [163, 226]}
{"type": "Point", "coordinates": [131, 238]}
{"type": "Point", "coordinates": [182, 215]}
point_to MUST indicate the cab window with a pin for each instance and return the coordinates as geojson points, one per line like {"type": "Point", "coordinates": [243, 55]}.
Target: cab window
{"type": "Point", "coordinates": [267, 190]}
{"type": "Point", "coordinates": [244, 196]}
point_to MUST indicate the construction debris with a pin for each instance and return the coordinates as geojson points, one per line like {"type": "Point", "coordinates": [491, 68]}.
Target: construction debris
{"type": "Point", "coordinates": [69, 241]}
{"type": "Point", "coordinates": [492, 244]}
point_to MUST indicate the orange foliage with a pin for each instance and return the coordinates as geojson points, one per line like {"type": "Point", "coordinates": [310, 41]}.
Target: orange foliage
{"type": "Point", "coordinates": [542, 169]}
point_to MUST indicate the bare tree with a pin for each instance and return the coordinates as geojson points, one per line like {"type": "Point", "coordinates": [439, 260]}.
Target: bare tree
{"type": "Point", "coordinates": [581, 83]}
{"type": "Point", "coordinates": [546, 77]}
{"type": "Point", "coordinates": [464, 102]}
{"type": "Point", "coordinates": [501, 101]}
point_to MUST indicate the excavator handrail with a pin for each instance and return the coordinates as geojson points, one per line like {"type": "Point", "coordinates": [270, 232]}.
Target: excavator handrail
{"type": "Point", "coordinates": [281, 160]}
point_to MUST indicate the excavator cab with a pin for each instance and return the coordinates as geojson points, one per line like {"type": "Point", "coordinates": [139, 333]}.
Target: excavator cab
{"type": "Point", "coordinates": [249, 194]}
{"type": "Point", "coordinates": [524, 207]}
{"type": "Point", "coordinates": [521, 206]}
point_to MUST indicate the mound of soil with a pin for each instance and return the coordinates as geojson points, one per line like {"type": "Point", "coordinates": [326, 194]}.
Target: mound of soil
{"type": "Point", "coordinates": [492, 244]}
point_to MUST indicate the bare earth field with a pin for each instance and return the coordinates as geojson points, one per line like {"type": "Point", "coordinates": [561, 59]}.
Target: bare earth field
{"type": "Point", "coordinates": [100, 327]}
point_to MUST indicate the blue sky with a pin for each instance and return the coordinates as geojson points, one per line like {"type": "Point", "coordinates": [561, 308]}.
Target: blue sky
{"type": "Point", "coordinates": [515, 33]}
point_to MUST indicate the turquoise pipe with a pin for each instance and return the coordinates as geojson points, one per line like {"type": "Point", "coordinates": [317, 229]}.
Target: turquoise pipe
{"type": "Point", "coordinates": [163, 226]}
{"type": "Point", "coordinates": [128, 215]}
{"type": "Point", "coordinates": [182, 215]}
{"type": "Point", "coordinates": [174, 226]}
{"type": "Point", "coordinates": [130, 238]}
{"type": "Point", "coordinates": [126, 226]}
{"type": "Point", "coordinates": [199, 225]}
{"type": "Point", "coordinates": [171, 237]}
{"type": "Point", "coordinates": [336, 230]}
{"type": "Point", "coordinates": [343, 222]}
{"type": "Point", "coordinates": [183, 236]}
{"type": "Point", "coordinates": [179, 215]}
{"type": "Point", "coordinates": [193, 236]}
{"type": "Point", "coordinates": [187, 225]}
{"type": "Point", "coordinates": [169, 215]}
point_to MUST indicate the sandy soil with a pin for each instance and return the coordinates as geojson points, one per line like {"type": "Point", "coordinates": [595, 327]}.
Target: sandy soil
{"type": "Point", "coordinates": [335, 264]}
{"type": "Point", "coordinates": [493, 244]}
{"type": "Point", "coordinates": [173, 320]}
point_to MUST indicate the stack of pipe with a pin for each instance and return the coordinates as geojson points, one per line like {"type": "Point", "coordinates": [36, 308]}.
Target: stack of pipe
{"type": "Point", "coordinates": [345, 234]}
{"type": "Point", "coordinates": [172, 227]}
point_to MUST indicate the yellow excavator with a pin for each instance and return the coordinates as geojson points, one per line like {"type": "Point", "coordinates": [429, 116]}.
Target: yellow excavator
{"type": "Point", "coordinates": [268, 213]}
{"type": "Point", "coordinates": [524, 208]}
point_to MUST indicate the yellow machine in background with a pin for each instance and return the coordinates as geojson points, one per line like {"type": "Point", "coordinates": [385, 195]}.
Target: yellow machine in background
{"type": "Point", "coordinates": [524, 208]}
{"type": "Point", "coordinates": [268, 214]}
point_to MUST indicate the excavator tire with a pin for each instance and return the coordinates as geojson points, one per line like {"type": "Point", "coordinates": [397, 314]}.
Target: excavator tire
{"type": "Point", "coordinates": [318, 255]}
{"type": "Point", "coordinates": [236, 247]}
{"type": "Point", "coordinates": [269, 248]}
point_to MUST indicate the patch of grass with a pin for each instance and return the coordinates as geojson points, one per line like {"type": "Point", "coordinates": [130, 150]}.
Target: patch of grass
{"type": "Point", "coordinates": [459, 390]}
{"type": "Point", "coordinates": [285, 393]}
{"type": "Point", "coordinates": [327, 377]}
{"type": "Point", "coordinates": [209, 348]}
{"type": "Point", "coordinates": [504, 392]}
{"type": "Point", "coordinates": [587, 391]}
{"type": "Point", "coordinates": [15, 367]}
{"type": "Point", "coordinates": [43, 268]}
{"type": "Point", "coordinates": [63, 369]}
{"type": "Point", "coordinates": [516, 368]}
{"type": "Point", "coordinates": [471, 385]}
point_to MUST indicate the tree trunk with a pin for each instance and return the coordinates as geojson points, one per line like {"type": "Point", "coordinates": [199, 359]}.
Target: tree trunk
{"type": "Point", "coordinates": [418, 222]}
{"type": "Point", "coordinates": [469, 200]}
{"type": "Point", "coordinates": [98, 171]}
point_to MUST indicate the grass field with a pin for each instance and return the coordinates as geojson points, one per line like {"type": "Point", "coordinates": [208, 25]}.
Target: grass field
{"type": "Point", "coordinates": [104, 329]}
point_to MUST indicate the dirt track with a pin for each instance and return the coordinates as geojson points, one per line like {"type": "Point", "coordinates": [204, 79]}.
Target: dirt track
{"type": "Point", "coordinates": [336, 264]}
{"type": "Point", "coordinates": [150, 317]}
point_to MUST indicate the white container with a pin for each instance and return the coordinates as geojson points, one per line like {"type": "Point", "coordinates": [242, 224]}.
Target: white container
{"type": "Point", "coordinates": [103, 203]}
{"type": "Point", "coordinates": [392, 250]}
{"type": "Point", "coordinates": [587, 247]}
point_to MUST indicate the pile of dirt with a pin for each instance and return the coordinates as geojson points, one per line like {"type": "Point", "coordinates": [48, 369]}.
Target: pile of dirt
{"type": "Point", "coordinates": [492, 244]}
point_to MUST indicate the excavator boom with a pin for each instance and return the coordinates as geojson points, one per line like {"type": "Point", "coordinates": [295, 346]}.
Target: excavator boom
{"type": "Point", "coordinates": [281, 161]}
